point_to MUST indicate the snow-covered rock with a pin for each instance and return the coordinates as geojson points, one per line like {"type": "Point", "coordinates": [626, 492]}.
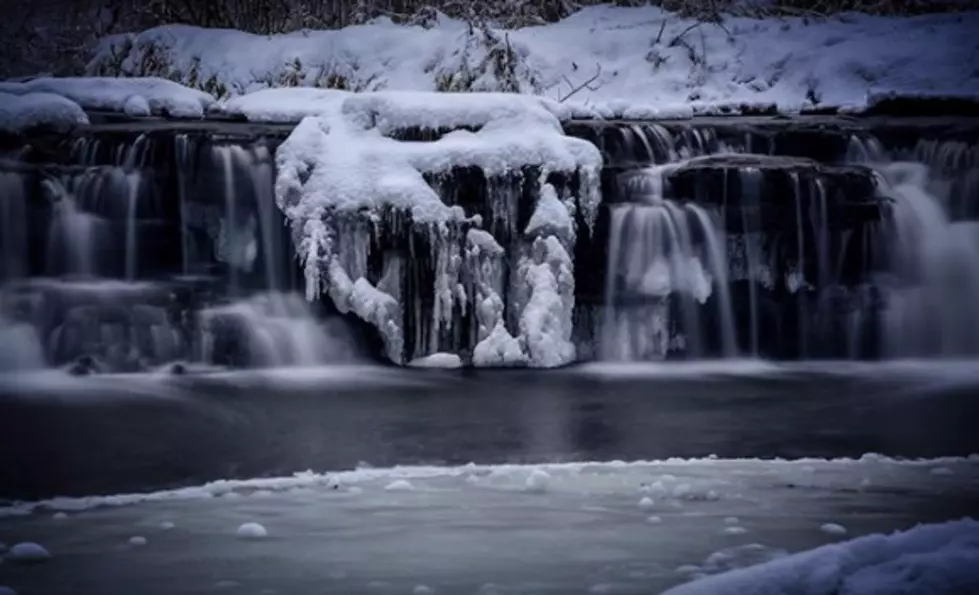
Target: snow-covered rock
{"type": "Point", "coordinates": [28, 552]}
{"type": "Point", "coordinates": [160, 96]}
{"type": "Point", "coordinates": [23, 111]}
{"type": "Point", "coordinates": [936, 559]}
{"type": "Point", "coordinates": [340, 181]}
{"type": "Point", "coordinates": [137, 540]}
{"type": "Point", "coordinates": [252, 531]}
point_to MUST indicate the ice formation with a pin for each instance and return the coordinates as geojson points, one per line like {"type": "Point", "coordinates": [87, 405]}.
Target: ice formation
{"type": "Point", "coordinates": [352, 194]}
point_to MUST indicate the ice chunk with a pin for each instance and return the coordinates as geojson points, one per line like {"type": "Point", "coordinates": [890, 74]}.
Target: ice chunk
{"type": "Point", "coordinates": [538, 481]}
{"type": "Point", "coordinates": [28, 552]}
{"type": "Point", "coordinates": [21, 112]}
{"type": "Point", "coordinates": [252, 531]}
{"type": "Point", "coordinates": [437, 360]}
{"type": "Point", "coordinates": [137, 540]}
{"type": "Point", "coordinates": [399, 485]}
{"type": "Point", "coordinates": [832, 529]}
{"type": "Point", "coordinates": [499, 348]}
{"type": "Point", "coordinates": [735, 530]}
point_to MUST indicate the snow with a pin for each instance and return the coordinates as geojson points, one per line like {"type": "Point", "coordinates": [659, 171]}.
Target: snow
{"type": "Point", "coordinates": [551, 217]}
{"type": "Point", "coordinates": [59, 516]}
{"type": "Point", "coordinates": [735, 530]}
{"type": "Point", "coordinates": [546, 321]}
{"type": "Point", "coordinates": [337, 174]}
{"type": "Point", "coordinates": [160, 96]}
{"type": "Point", "coordinates": [646, 503]}
{"type": "Point", "coordinates": [28, 552]}
{"type": "Point", "coordinates": [283, 104]}
{"type": "Point", "coordinates": [167, 525]}
{"type": "Point", "coordinates": [7, 591]}
{"type": "Point", "coordinates": [448, 361]}
{"type": "Point", "coordinates": [931, 559]}
{"type": "Point", "coordinates": [499, 348]}
{"type": "Point", "coordinates": [137, 540]}
{"type": "Point", "coordinates": [832, 529]}
{"type": "Point", "coordinates": [646, 61]}
{"type": "Point", "coordinates": [23, 111]}
{"type": "Point", "coordinates": [252, 531]}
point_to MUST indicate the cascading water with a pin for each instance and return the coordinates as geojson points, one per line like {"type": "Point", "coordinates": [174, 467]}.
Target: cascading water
{"type": "Point", "coordinates": [112, 293]}
{"type": "Point", "coordinates": [659, 250]}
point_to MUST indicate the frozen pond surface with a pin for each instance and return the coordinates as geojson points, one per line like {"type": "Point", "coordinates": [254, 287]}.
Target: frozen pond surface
{"type": "Point", "coordinates": [524, 519]}
{"type": "Point", "coordinates": [571, 529]}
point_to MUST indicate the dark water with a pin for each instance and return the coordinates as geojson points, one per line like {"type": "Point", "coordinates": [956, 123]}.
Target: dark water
{"type": "Point", "coordinates": [109, 435]}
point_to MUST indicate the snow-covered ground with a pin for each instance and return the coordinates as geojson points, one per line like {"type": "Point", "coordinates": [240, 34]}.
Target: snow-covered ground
{"type": "Point", "coordinates": [637, 62]}
{"type": "Point", "coordinates": [569, 528]}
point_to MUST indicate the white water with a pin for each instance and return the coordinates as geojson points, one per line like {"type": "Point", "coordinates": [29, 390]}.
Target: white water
{"type": "Point", "coordinates": [933, 294]}
{"type": "Point", "coordinates": [651, 257]}
{"type": "Point", "coordinates": [274, 329]}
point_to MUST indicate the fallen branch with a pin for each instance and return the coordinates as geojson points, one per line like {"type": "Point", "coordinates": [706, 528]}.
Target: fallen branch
{"type": "Point", "coordinates": [585, 85]}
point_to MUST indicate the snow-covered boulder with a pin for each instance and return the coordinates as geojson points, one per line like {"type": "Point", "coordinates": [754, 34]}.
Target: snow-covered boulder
{"type": "Point", "coordinates": [20, 112]}
{"type": "Point", "coordinates": [134, 96]}
{"type": "Point", "coordinates": [350, 191]}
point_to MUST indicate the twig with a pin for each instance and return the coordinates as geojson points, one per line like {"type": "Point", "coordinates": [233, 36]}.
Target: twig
{"type": "Point", "coordinates": [585, 85]}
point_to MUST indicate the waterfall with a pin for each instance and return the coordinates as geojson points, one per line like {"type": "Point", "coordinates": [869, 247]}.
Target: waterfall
{"type": "Point", "coordinates": [13, 232]}
{"type": "Point", "coordinates": [662, 251]}
{"type": "Point", "coordinates": [933, 286]}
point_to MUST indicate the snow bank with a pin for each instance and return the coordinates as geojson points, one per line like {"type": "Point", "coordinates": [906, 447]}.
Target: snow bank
{"type": "Point", "coordinates": [926, 560]}
{"type": "Point", "coordinates": [133, 96]}
{"type": "Point", "coordinates": [283, 104]}
{"type": "Point", "coordinates": [20, 112]}
{"type": "Point", "coordinates": [646, 62]}
{"type": "Point", "coordinates": [340, 180]}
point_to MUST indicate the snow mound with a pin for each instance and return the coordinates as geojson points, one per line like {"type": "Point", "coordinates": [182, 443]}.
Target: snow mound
{"type": "Point", "coordinates": [646, 503]}
{"type": "Point", "coordinates": [59, 516]}
{"type": "Point", "coordinates": [638, 62]}
{"type": "Point", "coordinates": [23, 111]}
{"type": "Point", "coordinates": [137, 540]}
{"type": "Point", "coordinates": [28, 553]}
{"type": "Point", "coordinates": [936, 559]}
{"type": "Point", "coordinates": [166, 525]}
{"type": "Point", "coordinates": [252, 531]}
{"type": "Point", "coordinates": [140, 95]}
